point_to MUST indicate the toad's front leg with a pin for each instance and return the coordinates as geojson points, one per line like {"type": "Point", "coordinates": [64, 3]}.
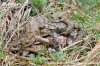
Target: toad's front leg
{"type": "Point", "coordinates": [41, 39]}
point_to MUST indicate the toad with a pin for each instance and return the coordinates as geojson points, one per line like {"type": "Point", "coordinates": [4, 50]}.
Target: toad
{"type": "Point", "coordinates": [64, 17]}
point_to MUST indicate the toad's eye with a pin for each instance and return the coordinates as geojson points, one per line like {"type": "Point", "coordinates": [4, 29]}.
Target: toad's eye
{"type": "Point", "coordinates": [59, 18]}
{"type": "Point", "coordinates": [51, 13]}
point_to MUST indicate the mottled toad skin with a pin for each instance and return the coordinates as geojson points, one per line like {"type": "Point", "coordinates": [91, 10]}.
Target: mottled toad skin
{"type": "Point", "coordinates": [59, 25]}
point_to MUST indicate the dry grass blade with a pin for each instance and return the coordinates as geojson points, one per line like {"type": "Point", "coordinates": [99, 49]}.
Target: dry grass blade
{"type": "Point", "coordinates": [94, 54]}
{"type": "Point", "coordinates": [87, 37]}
